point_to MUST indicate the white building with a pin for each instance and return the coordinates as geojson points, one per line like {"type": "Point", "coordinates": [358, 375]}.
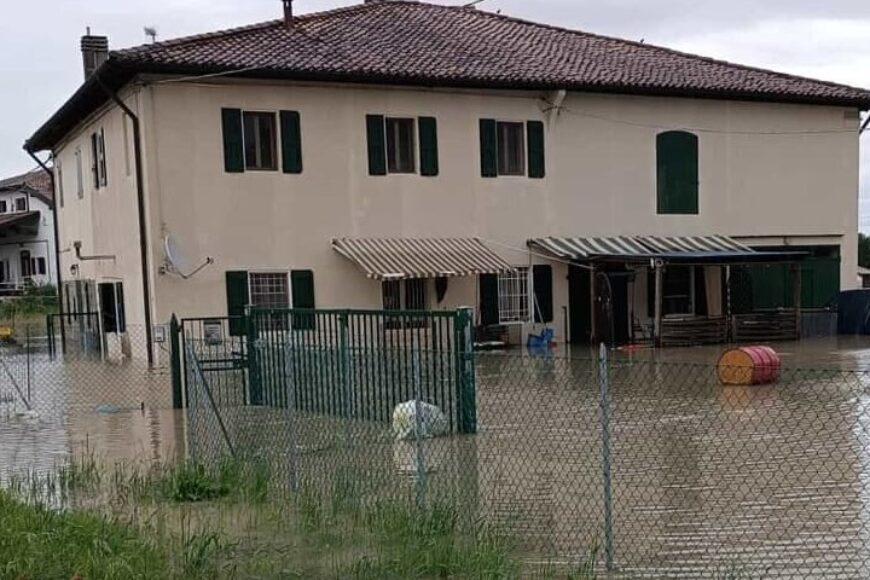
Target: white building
{"type": "Point", "coordinates": [27, 248]}
{"type": "Point", "coordinates": [288, 151]}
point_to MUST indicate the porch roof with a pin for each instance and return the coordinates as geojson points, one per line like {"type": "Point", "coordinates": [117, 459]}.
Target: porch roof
{"type": "Point", "coordinates": [16, 223]}
{"type": "Point", "coordinates": [400, 258]}
{"type": "Point", "coordinates": [708, 249]}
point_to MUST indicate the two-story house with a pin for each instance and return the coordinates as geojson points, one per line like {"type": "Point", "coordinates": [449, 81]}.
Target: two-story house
{"type": "Point", "coordinates": [27, 247]}
{"type": "Point", "coordinates": [398, 154]}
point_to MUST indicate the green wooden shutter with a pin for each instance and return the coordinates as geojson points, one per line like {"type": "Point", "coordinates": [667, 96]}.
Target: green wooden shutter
{"type": "Point", "coordinates": [234, 149]}
{"type": "Point", "coordinates": [677, 172]}
{"type": "Point", "coordinates": [428, 128]}
{"type": "Point", "coordinates": [535, 138]}
{"type": "Point", "coordinates": [542, 281]}
{"type": "Point", "coordinates": [377, 142]}
{"type": "Point", "coordinates": [488, 299]}
{"type": "Point", "coordinates": [291, 142]}
{"type": "Point", "coordinates": [302, 288]}
{"type": "Point", "coordinates": [237, 300]}
{"type": "Point", "coordinates": [488, 148]}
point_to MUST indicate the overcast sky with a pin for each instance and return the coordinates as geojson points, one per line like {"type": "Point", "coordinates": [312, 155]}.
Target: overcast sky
{"type": "Point", "coordinates": [41, 65]}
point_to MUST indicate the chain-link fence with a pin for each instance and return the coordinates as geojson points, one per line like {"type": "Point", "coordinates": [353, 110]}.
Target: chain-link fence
{"type": "Point", "coordinates": [61, 393]}
{"type": "Point", "coordinates": [655, 469]}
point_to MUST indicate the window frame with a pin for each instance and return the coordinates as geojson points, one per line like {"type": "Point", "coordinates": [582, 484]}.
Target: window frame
{"type": "Point", "coordinates": [24, 207]}
{"type": "Point", "coordinates": [403, 287]}
{"type": "Point", "coordinates": [4, 206]}
{"type": "Point", "coordinates": [257, 115]}
{"type": "Point", "coordinates": [690, 297]}
{"type": "Point", "coordinates": [58, 168]}
{"type": "Point", "coordinates": [80, 173]}
{"type": "Point", "coordinates": [392, 139]}
{"type": "Point", "coordinates": [515, 296]}
{"type": "Point", "coordinates": [502, 153]}
{"type": "Point", "coordinates": [25, 264]}
{"type": "Point", "coordinates": [120, 316]}
{"type": "Point", "coordinates": [277, 273]}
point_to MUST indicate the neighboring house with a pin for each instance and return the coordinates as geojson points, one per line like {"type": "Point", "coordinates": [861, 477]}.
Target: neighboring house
{"type": "Point", "coordinates": [400, 154]}
{"type": "Point", "coordinates": [27, 249]}
{"type": "Point", "coordinates": [863, 277]}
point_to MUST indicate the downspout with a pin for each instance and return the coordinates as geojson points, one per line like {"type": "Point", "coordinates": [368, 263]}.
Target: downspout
{"type": "Point", "coordinates": [55, 220]}
{"type": "Point", "coordinates": [140, 199]}
{"type": "Point", "coordinates": [864, 126]}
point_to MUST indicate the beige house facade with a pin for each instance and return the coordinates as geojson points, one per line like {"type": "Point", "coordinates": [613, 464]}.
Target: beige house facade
{"type": "Point", "coordinates": [771, 173]}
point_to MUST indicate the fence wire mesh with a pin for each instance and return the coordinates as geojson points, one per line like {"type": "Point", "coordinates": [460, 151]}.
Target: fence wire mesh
{"type": "Point", "coordinates": [649, 468]}
{"type": "Point", "coordinates": [63, 393]}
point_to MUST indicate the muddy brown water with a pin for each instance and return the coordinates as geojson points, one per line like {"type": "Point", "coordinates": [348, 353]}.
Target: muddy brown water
{"type": "Point", "coordinates": [769, 481]}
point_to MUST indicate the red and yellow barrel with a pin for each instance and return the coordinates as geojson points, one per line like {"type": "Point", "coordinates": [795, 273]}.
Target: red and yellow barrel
{"type": "Point", "coordinates": [749, 365]}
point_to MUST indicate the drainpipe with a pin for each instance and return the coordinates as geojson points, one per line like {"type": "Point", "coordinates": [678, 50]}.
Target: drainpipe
{"type": "Point", "coordinates": [55, 220]}
{"type": "Point", "coordinates": [78, 247]}
{"type": "Point", "coordinates": [864, 126]}
{"type": "Point", "coordinates": [140, 199]}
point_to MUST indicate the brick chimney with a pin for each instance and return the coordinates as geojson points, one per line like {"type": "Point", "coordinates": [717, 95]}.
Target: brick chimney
{"type": "Point", "coordinates": [288, 13]}
{"type": "Point", "coordinates": [95, 51]}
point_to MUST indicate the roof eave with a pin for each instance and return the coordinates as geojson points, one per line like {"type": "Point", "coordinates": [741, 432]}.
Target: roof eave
{"type": "Point", "coordinates": [117, 72]}
{"type": "Point", "coordinates": [362, 77]}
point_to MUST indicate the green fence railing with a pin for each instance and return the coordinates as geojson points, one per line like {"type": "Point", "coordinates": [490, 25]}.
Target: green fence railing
{"type": "Point", "coordinates": [351, 364]}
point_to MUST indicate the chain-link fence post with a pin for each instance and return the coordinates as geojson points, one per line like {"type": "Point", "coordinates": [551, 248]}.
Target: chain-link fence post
{"type": "Point", "coordinates": [604, 404]}
{"type": "Point", "coordinates": [420, 460]}
{"type": "Point", "coordinates": [27, 361]}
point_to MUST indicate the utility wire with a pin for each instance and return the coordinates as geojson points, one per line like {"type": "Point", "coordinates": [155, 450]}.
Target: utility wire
{"type": "Point", "coordinates": [703, 129]}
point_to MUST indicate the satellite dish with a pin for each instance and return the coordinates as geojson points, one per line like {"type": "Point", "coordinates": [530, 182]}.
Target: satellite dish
{"type": "Point", "coordinates": [177, 263]}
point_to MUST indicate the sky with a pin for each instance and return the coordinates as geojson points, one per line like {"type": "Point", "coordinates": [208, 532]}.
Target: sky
{"type": "Point", "coordinates": [41, 63]}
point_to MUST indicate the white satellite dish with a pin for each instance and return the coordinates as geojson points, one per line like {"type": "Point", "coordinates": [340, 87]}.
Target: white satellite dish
{"type": "Point", "coordinates": [176, 263]}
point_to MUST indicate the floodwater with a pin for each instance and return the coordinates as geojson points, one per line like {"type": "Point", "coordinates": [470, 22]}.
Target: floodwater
{"type": "Point", "coordinates": [704, 480]}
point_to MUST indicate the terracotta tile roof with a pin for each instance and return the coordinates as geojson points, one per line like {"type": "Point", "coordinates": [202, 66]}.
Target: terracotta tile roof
{"type": "Point", "coordinates": [36, 181]}
{"type": "Point", "coordinates": [415, 43]}
{"type": "Point", "coordinates": [399, 40]}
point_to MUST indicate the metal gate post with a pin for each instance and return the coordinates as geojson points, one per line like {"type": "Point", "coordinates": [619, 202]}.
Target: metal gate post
{"type": "Point", "coordinates": [175, 347]}
{"type": "Point", "coordinates": [466, 389]}
{"type": "Point", "coordinates": [604, 404]}
{"type": "Point", "coordinates": [255, 385]}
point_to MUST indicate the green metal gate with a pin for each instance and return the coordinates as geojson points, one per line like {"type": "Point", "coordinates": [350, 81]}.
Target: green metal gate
{"type": "Point", "coordinates": [351, 364]}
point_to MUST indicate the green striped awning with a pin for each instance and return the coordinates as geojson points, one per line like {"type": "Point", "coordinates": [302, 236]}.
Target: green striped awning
{"type": "Point", "coordinates": [399, 258]}
{"type": "Point", "coordinates": [577, 248]}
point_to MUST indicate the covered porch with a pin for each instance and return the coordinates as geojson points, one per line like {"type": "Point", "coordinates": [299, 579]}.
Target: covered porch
{"type": "Point", "coordinates": [673, 291]}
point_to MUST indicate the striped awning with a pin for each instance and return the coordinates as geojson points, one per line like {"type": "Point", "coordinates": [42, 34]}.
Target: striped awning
{"type": "Point", "coordinates": [398, 258]}
{"type": "Point", "coordinates": [640, 247]}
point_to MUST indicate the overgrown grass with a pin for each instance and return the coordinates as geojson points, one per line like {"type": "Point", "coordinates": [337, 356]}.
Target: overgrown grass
{"type": "Point", "coordinates": [37, 542]}
{"type": "Point", "coordinates": [228, 521]}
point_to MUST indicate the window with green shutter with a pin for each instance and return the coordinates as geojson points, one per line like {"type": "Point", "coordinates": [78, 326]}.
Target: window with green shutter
{"type": "Point", "coordinates": [488, 148]}
{"type": "Point", "coordinates": [535, 137]}
{"type": "Point", "coordinates": [237, 300]}
{"type": "Point", "coordinates": [291, 142]}
{"type": "Point", "coordinates": [428, 131]}
{"type": "Point", "coordinates": [302, 289]}
{"type": "Point", "coordinates": [377, 144]}
{"type": "Point", "coordinates": [234, 147]}
{"type": "Point", "coordinates": [489, 299]}
{"type": "Point", "coordinates": [677, 172]}
{"type": "Point", "coordinates": [542, 282]}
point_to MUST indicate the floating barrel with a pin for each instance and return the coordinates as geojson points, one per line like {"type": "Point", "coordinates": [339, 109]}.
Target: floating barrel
{"type": "Point", "coordinates": [749, 365]}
